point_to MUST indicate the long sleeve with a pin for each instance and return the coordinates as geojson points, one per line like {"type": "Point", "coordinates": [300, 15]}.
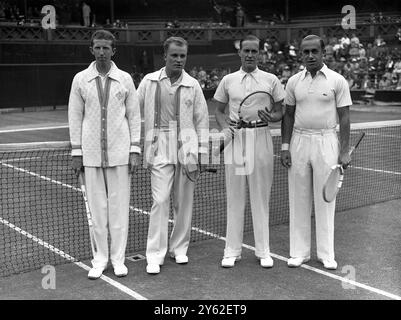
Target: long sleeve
{"type": "Point", "coordinates": [134, 118]}
{"type": "Point", "coordinates": [75, 117]}
{"type": "Point", "coordinates": [201, 119]}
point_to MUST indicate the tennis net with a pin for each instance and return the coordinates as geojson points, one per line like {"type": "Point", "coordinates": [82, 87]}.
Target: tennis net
{"type": "Point", "coordinates": [42, 213]}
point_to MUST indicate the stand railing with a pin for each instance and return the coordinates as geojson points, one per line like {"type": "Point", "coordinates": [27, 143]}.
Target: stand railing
{"type": "Point", "coordinates": [196, 36]}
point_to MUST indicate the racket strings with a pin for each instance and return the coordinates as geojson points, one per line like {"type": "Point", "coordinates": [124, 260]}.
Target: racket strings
{"type": "Point", "coordinates": [249, 107]}
{"type": "Point", "coordinates": [333, 184]}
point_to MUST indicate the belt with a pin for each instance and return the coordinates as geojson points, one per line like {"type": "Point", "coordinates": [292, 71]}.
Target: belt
{"type": "Point", "coordinates": [254, 124]}
{"type": "Point", "coordinates": [315, 131]}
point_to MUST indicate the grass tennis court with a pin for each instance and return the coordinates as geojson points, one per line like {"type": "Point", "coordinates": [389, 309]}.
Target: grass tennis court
{"type": "Point", "coordinates": [43, 217]}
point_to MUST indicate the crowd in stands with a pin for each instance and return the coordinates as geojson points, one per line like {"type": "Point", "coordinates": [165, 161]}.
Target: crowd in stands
{"type": "Point", "coordinates": [382, 18]}
{"type": "Point", "coordinates": [208, 80]}
{"type": "Point", "coordinates": [11, 12]}
{"type": "Point", "coordinates": [366, 66]}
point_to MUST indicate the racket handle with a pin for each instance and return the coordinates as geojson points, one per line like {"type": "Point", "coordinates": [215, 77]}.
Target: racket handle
{"type": "Point", "coordinates": [358, 141]}
{"type": "Point", "coordinates": [223, 144]}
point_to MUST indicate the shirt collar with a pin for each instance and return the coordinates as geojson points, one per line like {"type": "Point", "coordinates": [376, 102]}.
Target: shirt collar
{"type": "Point", "coordinates": [253, 74]}
{"type": "Point", "coordinates": [93, 73]}
{"type": "Point", "coordinates": [323, 71]}
{"type": "Point", "coordinates": [185, 77]}
{"type": "Point", "coordinates": [163, 75]}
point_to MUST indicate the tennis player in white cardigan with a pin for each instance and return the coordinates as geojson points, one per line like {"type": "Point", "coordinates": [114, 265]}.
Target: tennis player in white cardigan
{"type": "Point", "coordinates": [176, 129]}
{"type": "Point", "coordinates": [105, 127]}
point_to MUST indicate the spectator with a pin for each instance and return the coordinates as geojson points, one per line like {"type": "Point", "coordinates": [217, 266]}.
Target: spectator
{"type": "Point", "coordinates": [366, 83]}
{"type": "Point", "coordinates": [399, 84]}
{"type": "Point", "coordinates": [354, 51]}
{"type": "Point", "coordinates": [362, 51]}
{"type": "Point", "coordinates": [354, 39]}
{"type": "Point", "coordinates": [86, 11]}
{"type": "Point", "coordinates": [372, 51]}
{"type": "Point", "coordinates": [379, 41]}
{"type": "Point", "coordinates": [350, 81]}
{"type": "Point", "coordinates": [394, 82]}
{"type": "Point", "coordinates": [292, 52]}
{"type": "Point", "coordinates": [240, 15]}
{"type": "Point", "coordinates": [194, 73]}
{"type": "Point", "coordinates": [384, 83]}
{"type": "Point", "coordinates": [397, 67]}
{"type": "Point", "coordinates": [286, 74]}
{"type": "Point", "coordinates": [398, 35]}
{"type": "Point", "coordinates": [345, 41]}
{"type": "Point", "coordinates": [2, 11]}
{"type": "Point", "coordinates": [202, 77]}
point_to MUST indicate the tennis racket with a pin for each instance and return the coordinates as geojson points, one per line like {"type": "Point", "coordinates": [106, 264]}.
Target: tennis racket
{"type": "Point", "coordinates": [248, 114]}
{"type": "Point", "coordinates": [193, 170]}
{"type": "Point", "coordinates": [335, 179]}
{"type": "Point", "coordinates": [81, 179]}
{"type": "Point", "coordinates": [195, 174]}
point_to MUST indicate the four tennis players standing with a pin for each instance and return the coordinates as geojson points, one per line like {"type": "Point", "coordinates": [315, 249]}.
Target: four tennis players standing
{"type": "Point", "coordinates": [104, 113]}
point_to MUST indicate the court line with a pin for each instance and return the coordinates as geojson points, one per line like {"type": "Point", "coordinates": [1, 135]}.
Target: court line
{"type": "Point", "coordinates": [376, 170]}
{"type": "Point", "coordinates": [33, 129]}
{"type": "Point", "coordinates": [279, 257]}
{"type": "Point", "coordinates": [61, 253]}
{"type": "Point", "coordinates": [66, 256]}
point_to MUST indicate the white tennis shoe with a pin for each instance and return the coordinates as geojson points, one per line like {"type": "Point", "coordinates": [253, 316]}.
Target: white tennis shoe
{"type": "Point", "coordinates": [296, 262]}
{"type": "Point", "coordinates": [181, 259]}
{"type": "Point", "coordinates": [229, 262]}
{"type": "Point", "coordinates": [330, 264]}
{"type": "Point", "coordinates": [266, 262]}
{"type": "Point", "coordinates": [120, 270]}
{"type": "Point", "coordinates": [153, 268]}
{"type": "Point", "coordinates": [95, 273]}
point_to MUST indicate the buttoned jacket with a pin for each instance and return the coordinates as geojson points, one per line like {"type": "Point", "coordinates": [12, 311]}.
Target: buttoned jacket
{"type": "Point", "coordinates": [105, 123]}
{"type": "Point", "coordinates": [192, 118]}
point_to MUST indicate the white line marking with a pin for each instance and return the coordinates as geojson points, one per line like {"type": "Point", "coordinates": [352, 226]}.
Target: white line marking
{"type": "Point", "coordinates": [63, 126]}
{"type": "Point", "coordinates": [114, 283]}
{"type": "Point", "coordinates": [66, 256]}
{"type": "Point", "coordinates": [325, 273]}
{"type": "Point", "coordinates": [138, 296]}
{"type": "Point", "coordinates": [383, 135]}
{"type": "Point", "coordinates": [33, 129]}
{"type": "Point", "coordinates": [376, 170]}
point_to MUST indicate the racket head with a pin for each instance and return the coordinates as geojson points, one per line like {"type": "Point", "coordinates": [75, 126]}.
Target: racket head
{"type": "Point", "coordinates": [333, 183]}
{"type": "Point", "coordinates": [193, 175]}
{"type": "Point", "coordinates": [191, 167]}
{"type": "Point", "coordinates": [252, 103]}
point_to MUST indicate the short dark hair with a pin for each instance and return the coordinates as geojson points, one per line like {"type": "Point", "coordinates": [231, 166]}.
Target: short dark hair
{"type": "Point", "coordinates": [103, 35]}
{"type": "Point", "coordinates": [177, 40]}
{"type": "Point", "coordinates": [249, 37]}
{"type": "Point", "coordinates": [314, 37]}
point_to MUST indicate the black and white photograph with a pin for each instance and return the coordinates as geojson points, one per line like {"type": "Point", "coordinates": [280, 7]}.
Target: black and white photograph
{"type": "Point", "coordinates": [201, 156]}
